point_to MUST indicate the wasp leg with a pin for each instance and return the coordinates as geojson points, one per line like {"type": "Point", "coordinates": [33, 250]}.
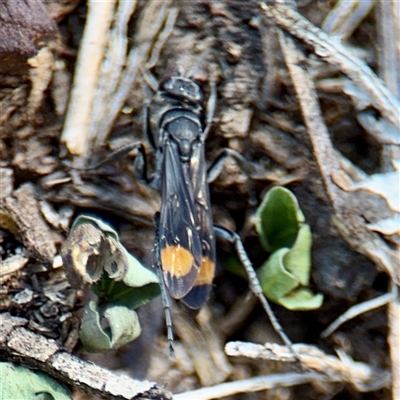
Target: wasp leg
{"type": "Point", "coordinates": [163, 288]}
{"type": "Point", "coordinates": [216, 167]}
{"type": "Point", "coordinates": [140, 163]}
{"type": "Point", "coordinates": [116, 155]}
{"type": "Point", "coordinates": [255, 286]}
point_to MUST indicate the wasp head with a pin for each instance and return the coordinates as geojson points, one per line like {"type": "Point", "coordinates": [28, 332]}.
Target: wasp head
{"type": "Point", "coordinates": [183, 89]}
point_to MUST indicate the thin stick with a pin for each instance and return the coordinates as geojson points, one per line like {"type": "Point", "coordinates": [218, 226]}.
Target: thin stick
{"type": "Point", "coordinates": [335, 53]}
{"type": "Point", "coordinates": [255, 385]}
{"type": "Point", "coordinates": [362, 376]}
{"type": "Point", "coordinates": [394, 342]}
{"type": "Point", "coordinates": [112, 67]}
{"type": "Point", "coordinates": [163, 36]}
{"type": "Point", "coordinates": [155, 13]}
{"type": "Point", "coordinates": [357, 310]}
{"type": "Point", "coordinates": [75, 133]}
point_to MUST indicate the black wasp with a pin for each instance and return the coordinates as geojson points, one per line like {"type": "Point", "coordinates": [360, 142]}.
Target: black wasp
{"type": "Point", "coordinates": [178, 126]}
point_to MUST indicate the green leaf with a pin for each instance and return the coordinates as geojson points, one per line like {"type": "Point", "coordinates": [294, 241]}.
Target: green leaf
{"type": "Point", "coordinates": [118, 293]}
{"type": "Point", "coordinates": [302, 299]}
{"type": "Point", "coordinates": [298, 259]}
{"type": "Point", "coordinates": [92, 335]}
{"type": "Point", "coordinates": [101, 225]}
{"type": "Point", "coordinates": [123, 327]}
{"type": "Point", "coordinates": [285, 274]}
{"type": "Point", "coordinates": [278, 219]}
{"type": "Point", "coordinates": [21, 383]}
{"type": "Point", "coordinates": [276, 281]}
{"type": "Point", "coordinates": [122, 284]}
{"type": "Point", "coordinates": [137, 275]}
{"type": "Point", "coordinates": [284, 277]}
{"type": "Point", "coordinates": [139, 285]}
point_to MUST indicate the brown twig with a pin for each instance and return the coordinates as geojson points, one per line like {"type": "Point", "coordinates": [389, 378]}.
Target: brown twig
{"type": "Point", "coordinates": [35, 351]}
{"type": "Point", "coordinates": [362, 376]}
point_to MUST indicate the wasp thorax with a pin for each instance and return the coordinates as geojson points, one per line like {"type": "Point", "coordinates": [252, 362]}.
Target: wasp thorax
{"type": "Point", "coordinates": [184, 131]}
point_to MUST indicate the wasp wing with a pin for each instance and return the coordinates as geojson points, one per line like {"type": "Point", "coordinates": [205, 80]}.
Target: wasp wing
{"type": "Point", "coordinates": [205, 228]}
{"type": "Point", "coordinates": [180, 244]}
